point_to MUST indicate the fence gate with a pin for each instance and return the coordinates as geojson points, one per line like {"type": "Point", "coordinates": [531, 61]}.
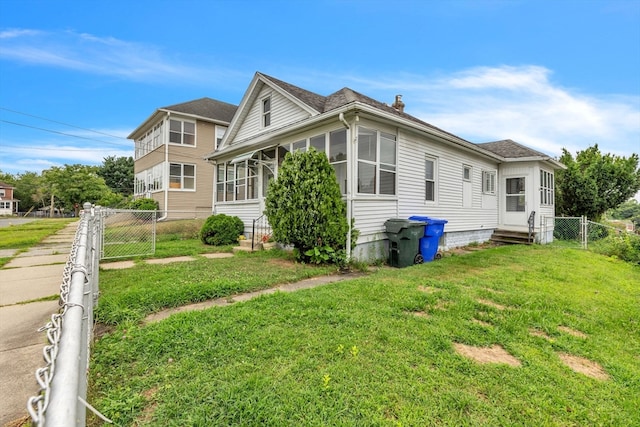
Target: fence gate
{"type": "Point", "coordinates": [127, 233]}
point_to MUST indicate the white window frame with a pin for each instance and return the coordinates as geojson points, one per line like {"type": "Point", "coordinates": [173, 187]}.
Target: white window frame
{"type": "Point", "coordinates": [266, 108]}
{"type": "Point", "coordinates": [183, 132]}
{"type": "Point", "coordinates": [547, 188]}
{"type": "Point", "coordinates": [433, 179]}
{"type": "Point", "coordinates": [489, 182]}
{"type": "Point", "coordinates": [232, 182]}
{"type": "Point", "coordinates": [378, 165]}
{"type": "Point", "coordinates": [182, 177]}
{"type": "Point", "coordinates": [467, 173]}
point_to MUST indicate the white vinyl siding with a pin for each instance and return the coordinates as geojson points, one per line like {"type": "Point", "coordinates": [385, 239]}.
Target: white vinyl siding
{"type": "Point", "coordinates": [283, 111]}
{"type": "Point", "coordinates": [413, 150]}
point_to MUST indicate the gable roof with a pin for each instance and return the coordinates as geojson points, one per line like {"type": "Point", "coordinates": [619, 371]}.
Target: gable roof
{"type": "Point", "coordinates": [203, 109]}
{"type": "Point", "coordinates": [316, 105]}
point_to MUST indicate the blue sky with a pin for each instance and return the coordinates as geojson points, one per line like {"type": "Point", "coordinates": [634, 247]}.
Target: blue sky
{"type": "Point", "coordinates": [76, 77]}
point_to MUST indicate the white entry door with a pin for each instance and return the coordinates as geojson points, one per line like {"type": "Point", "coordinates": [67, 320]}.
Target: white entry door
{"type": "Point", "coordinates": [515, 201]}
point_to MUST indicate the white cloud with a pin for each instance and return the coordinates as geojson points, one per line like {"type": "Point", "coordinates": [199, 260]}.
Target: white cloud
{"type": "Point", "coordinates": [99, 55]}
{"type": "Point", "coordinates": [521, 103]}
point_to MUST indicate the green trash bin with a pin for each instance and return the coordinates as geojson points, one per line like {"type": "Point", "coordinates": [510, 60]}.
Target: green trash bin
{"type": "Point", "coordinates": [404, 241]}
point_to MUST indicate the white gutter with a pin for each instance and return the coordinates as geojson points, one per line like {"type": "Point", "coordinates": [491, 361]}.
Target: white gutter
{"type": "Point", "coordinates": [165, 136]}
{"type": "Point", "coordinates": [350, 143]}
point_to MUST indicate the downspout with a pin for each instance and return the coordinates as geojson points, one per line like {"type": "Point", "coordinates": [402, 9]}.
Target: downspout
{"type": "Point", "coordinates": [165, 138]}
{"type": "Point", "coordinates": [349, 180]}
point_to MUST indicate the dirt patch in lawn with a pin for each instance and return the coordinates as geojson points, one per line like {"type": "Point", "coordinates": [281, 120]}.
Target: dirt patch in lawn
{"type": "Point", "coordinates": [491, 304]}
{"type": "Point", "coordinates": [493, 354]}
{"type": "Point", "coordinates": [282, 262]}
{"type": "Point", "coordinates": [539, 333]}
{"type": "Point", "coordinates": [428, 289]}
{"type": "Point", "coordinates": [584, 366]}
{"type": "Point", "coordinates": [423, 314]}
{"type": "Point", "coordinates": [481, 323]}
{"type": "Point", "coordinates": [572, 332]}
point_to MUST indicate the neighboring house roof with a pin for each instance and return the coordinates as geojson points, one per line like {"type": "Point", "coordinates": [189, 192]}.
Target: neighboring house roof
{"type": "Point", "coordinates": [3, 185]}
{"type": "Point", "coordinates": [203, 109]}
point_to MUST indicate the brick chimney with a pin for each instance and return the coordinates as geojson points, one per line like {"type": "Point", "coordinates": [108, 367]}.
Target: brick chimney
{"type": "Point", "coordinates": [398, 104]}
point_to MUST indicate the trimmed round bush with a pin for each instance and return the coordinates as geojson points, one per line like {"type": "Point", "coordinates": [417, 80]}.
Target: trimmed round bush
{"type": "Point", "coordinates": [221, 229]}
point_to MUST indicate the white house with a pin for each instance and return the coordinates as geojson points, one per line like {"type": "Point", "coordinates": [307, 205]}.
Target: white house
{"type": "Point", "coordinates": [389, 164]}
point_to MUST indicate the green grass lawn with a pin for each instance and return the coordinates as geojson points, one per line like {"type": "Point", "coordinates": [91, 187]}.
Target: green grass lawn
{"type": "Point", "coordinates": [378, 350]}
{"type": "Point", "coordinates": [24, 236]}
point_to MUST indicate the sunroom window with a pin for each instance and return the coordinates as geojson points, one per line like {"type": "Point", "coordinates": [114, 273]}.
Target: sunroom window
{"type": "Point", "coordinates": [376, 162]}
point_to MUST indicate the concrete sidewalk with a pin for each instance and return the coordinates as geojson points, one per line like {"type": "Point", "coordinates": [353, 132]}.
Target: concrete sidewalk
{"type": "Point", "coordinates": [31, 275]}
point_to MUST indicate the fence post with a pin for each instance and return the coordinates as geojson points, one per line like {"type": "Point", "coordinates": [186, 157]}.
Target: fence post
{"type": "Point", "coordinates": [584, 231]}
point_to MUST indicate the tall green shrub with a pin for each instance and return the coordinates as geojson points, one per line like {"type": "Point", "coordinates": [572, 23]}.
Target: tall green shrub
{"type": "Point", "coordinates": [221, 229]}
{"type": "Point", "coordinates": [305, 207]}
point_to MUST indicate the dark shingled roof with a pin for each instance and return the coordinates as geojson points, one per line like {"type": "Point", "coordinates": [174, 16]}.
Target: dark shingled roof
{"type": "Point", "coordinates": [510, 149]}
{"type": "Point", "coordinates": [206, 107]}
{"type": "Point", "coordinates": [343, 97]}
{"type": "Point", "coordinates": [311, 99]}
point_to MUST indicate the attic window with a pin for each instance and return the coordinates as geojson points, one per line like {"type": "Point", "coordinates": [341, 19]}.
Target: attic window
{"type": "Point", "coordinates": [266, 111]}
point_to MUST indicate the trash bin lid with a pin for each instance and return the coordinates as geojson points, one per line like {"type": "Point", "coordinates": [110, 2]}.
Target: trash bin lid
{"type": "Point", "coordinates": [394, 225]}
{"type": "Point", "coordinates": [428, 219]}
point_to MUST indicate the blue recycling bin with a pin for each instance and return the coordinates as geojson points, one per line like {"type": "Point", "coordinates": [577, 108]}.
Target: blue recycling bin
{"type": "Point", "coordinates": [432, 232]}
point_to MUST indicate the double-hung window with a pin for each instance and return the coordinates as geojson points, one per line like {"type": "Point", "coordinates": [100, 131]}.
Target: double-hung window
{"type": "Point", "coordinates": [489, 182]}
{"type": "Point", "coordinates": [266, 111]}
{"type": "Point", "coordinates": [376, 162]}
{"type": "Point", "coordinates": [430, 178]}
{"type": "Point", "coordinates": [182, 132]}
{"type": "Point", "coordinates": [182, 176]}
{"type": "Point", "coordinates": [546, 188]}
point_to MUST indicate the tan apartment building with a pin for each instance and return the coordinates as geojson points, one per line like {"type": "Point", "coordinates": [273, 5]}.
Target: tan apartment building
{"type": "Point", "coordinates": [169, 162]}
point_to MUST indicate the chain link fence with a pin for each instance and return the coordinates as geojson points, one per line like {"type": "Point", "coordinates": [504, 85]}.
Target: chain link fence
{"type": "Point", "coordinates": [127, 233]}
{"type": "Point", "coordinates": [574, 231]}
{"type": "Point", "coordinates": [63, 380]}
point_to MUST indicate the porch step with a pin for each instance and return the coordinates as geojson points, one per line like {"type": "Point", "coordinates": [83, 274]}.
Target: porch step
{"type": "Point", "coordinates": [245, 245]}
{"type": "Point", "coordinates": [512, 237]}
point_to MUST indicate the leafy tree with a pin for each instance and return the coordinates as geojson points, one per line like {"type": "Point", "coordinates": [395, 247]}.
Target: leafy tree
{"type": "Point", "coordinates": [594, 183]}
{"type": "Point", "coordinates": [305, 208]}
{"type": "Point", "coordinates": [7, 178]}
{"type": "Point", "coordinates": [118, 174]}
{"type": "Point", "coordinates": [73, 185]}
{"type": "Point", "coordinates": [29, 191]}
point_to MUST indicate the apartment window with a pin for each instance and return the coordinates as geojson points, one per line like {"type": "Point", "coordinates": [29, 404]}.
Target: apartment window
{"type": "Point", "coordinates": [430, 176]}
{"type": "Point", "coordinates": [219, 135]}
{"type": "Point", "coordinates": [546, 188]}
{"type": "Point", "coordinates": [376, 162]}
{"type": "Point", "coordinates": [338, 157]}
{"type": "Point", "coordinates": [5, 205]}
{"type": "Point", "coordinates": [182, 176]}
{"type": "Point", "coordinates": [150, 180]}
{"type": "Point", "coordinates": [266, 111]}
{"type": "Point", "coordinates": [466, 173]}
{"type": "Point", "coordinates": [2, 193]}
{"type": "Point", "coordinates": [182, 132]}
{"type": "Point", "coordinates": [489, 182]}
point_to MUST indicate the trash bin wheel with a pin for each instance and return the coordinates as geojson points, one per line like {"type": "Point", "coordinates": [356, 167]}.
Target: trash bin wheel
{"type": "Point", "coordinates": [438, 255]}
{"type": "Point", "coordinates": [418, 259]}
